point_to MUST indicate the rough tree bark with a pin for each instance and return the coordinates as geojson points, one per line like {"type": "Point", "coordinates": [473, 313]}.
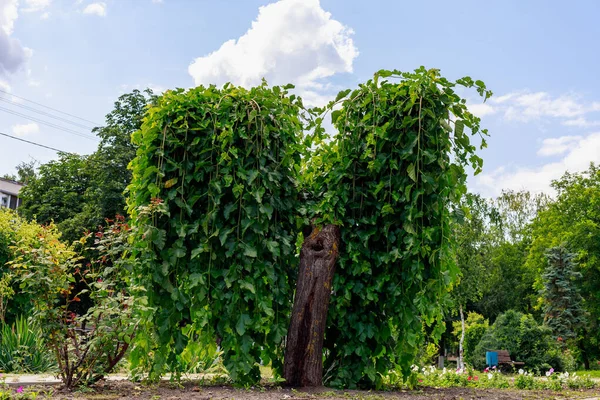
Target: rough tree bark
{"type": "Point", "coordinates": [461, 349]}
{"type": "Point", "coordinates": [303, 365]}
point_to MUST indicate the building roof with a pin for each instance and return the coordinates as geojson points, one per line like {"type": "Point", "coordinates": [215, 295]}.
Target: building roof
{"type": "Point", "coordinates": [11, 187]}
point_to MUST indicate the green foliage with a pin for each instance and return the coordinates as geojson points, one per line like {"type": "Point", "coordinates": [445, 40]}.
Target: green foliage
{"type": "Point", "coordinates": [524, 338]}
{"type": "Point", "coordinates": [473, 245]}
{"type": "Point", "coordinates": [15, 231]}
{"type": "Point", "coordinates": [507, 284]}
{"type": "Point", "coordinates": [475, 327]}
{"type": "Point", "coordinates": [79, 192]}
{"type": "Point", "coordinates": [432, 377]}
{"type": "Point", "coordinates": [22, 348]}
{"type": "Point", "coordinates": [89, 346]}
{"type": "Point", "coordinates": [214, 195]}
{"type": "Point", "coordinates": [389, 178]}
{"type": "Point", "coordinates": [562, 302]}
{"type": "Point", "coordinates": [573, 220]}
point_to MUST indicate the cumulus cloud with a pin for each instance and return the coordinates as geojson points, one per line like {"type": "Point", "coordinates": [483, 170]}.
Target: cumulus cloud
{"type": "Point", "coordinates": [36, 5]}
{"type": "Point", "coordinates": [290, 41]}
{"type": "Point", "coordinates": [580, 123]}
{"type": "Point", "coordinates": [578, 152]}
{"type": "Point", "coordinates": [12, 54]}
{"type": "Point", "coordinates": [98, 9]}
{"type": "Point", "coordinates": [25, 129]}
{"type": "Point", "coordinates": [556, 146]}
{"type": "Point", "coordinates": [525, 106]}
{"type": "Point", "coordinates": [481, 110]}
{"type": "Point", "coordinates": [4, 86]}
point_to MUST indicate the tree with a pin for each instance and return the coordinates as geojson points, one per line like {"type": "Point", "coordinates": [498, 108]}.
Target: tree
{"type": "Point", "coordinates": [58, 194]}
{"type": "Point", "coordinates": [79, 192]}
{"type": "Point", "coordinates": [472, 251]}
{"type": "Point", "coordinates": [509, 283]}
{"type": "Point", "coordinates": [218, 181]}
{"type": "Point", "coordinates": [562, 302]}
{"type": "Point", "coordinates": [573, 219]}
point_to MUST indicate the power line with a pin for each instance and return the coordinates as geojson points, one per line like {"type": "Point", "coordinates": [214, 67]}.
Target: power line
{"type": "Point", "coordinates": [46, 114]}
{"type": "Point", "coordinates": [34, 143]}
{"type": "Point", "coordinates": [50, 108]}
{"type": "Point", "coordinates": [50, 124]}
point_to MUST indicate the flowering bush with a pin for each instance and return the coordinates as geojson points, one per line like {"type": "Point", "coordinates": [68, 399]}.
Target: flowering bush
{"type": "Point", "coordinates": [493, 378]}
{"type": "Point", "coordinates": [87, 346]}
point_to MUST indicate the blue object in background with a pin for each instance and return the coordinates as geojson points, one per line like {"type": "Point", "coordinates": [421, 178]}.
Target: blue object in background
{"type": "Point", "coordinates": [491, 358]}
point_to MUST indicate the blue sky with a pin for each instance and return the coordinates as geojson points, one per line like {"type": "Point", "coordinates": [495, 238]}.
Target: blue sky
{"type": "Point", "coordinates": [540, 58]}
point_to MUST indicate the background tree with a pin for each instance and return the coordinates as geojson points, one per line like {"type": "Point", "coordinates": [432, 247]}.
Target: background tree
{"type": "Point", "coordinates": [474, 241]}
{"type": "Point", "coordinates": [509, 283]}
{"type": "Point", "coordinates": [79, 192]}
{"type": "Point", "coordinates": [562, 302]}
{"type": "Point", "coordinates": [573, 219]}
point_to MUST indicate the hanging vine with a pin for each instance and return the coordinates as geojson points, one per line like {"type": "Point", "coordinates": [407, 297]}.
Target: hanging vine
{"type": "Point", "coordinates": [225, 179]}
{"type": "Point", "coordinates": [389, 178]}
{"type": "Point", "coordinates": [218, 169]}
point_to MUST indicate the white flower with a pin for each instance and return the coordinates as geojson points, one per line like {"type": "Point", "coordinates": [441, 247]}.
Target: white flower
{"type": "Point", "coordinates": [490, 375]}
{"type": "Point", "coordinates": [423, 369]}
{"type": "Point", "coordinates": [414, 368]}
{"type": "Point", "coordinates": [521, 372]}
{"type": "Point", "coordinates": [432, 369]}
{"type": "Point", "coordinates": [548, 373]}
{"type": "Point", "coordinates": [567, 374]}
{"type": "Point", "coordinates": [444, 371]}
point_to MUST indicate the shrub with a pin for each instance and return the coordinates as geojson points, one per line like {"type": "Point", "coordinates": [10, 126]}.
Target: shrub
{"type": "Point", "coordinates": [475, 327]}
{"type": "Point", "coordinates": [22, 348]}
{"type": "Point", "coordinates": [524, 338]}
{"type": "Point", "coordinates": [15, 233]}
{"type": "Point", "coordinates": [89, 346]}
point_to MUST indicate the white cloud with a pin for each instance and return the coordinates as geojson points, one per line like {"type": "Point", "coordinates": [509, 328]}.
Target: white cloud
{"type": "Point", "coordinates": [12, 54]}
{"type": "Point", "coordinates": [4, 86]}
{"type": "Point", "coordinates": [578, 155]}
{"type": "Point", "coordinates": [8, 14]}
{"type": "Point", "coordinates": [526, 106]}
{"type": "Point", "coordinates": [45, 15]}
{"type": "Point", "coordinates": [98, 9]}
{"type": "Point", "coordinates": [560, 145]}
{"type": "Point", "coordinates": [291, 41]}
{"type": "Point", "coordinates": [580, 122]}
{"type": "Point", "coordinates": [25, 129]}
{"type": "Point", "coordinates": [36, 5]}
{"type": "Point", "coordinates": [481, 110]}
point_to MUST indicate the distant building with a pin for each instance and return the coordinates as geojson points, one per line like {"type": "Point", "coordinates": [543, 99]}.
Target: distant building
{"type": "Point", "coordinates": [9, 193]}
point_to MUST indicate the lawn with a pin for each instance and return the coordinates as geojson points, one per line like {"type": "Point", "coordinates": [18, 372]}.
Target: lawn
{"type": "Point", "coordinates": [591, 374]}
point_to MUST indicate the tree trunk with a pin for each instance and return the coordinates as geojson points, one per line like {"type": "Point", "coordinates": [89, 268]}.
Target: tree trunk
{"type": "Point", "coordinates": [303, 364]}
{"type": "Point", "coordinates": [461, 363]}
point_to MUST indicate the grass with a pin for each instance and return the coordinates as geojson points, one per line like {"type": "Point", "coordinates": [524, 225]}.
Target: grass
{"type": "Point", "coordinates": [591, 374]}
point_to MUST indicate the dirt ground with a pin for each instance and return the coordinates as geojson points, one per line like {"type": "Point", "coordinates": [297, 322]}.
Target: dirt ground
{"type": "Point", "coordinates": [127, 390]}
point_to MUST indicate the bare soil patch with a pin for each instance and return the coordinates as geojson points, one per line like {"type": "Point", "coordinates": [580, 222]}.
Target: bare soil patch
{"type": "Point", "coordinates": [190, 390]}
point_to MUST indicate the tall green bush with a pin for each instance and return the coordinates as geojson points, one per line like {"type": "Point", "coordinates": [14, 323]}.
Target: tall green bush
{"type": "Point", "coordinates": [219, 168]}
{"type": "Point", "coordinates": [225, 179]}
{"type": "Point", "coordinates": [524, 338]}
{"type": "Point", "coordinates": [15, 232]}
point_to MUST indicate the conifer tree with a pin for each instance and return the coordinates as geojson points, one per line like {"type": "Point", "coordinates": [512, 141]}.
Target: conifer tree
{"type": "Point", "coordinates": [562, 308]}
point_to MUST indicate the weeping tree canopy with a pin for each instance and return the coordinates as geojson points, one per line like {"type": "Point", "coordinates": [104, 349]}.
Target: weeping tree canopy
{"type": "Point", "coordinates": [224, 182]}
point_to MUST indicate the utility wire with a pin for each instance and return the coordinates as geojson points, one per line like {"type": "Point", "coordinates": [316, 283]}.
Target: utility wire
{"type": "Point", "coordinates": [46, 114]}
{"type": "Point", "coordinates": [50, 124]}
{"type": "Point", "coordinates": [34, 143]}
{"type": "Point", "coordinates": [50, 108]}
